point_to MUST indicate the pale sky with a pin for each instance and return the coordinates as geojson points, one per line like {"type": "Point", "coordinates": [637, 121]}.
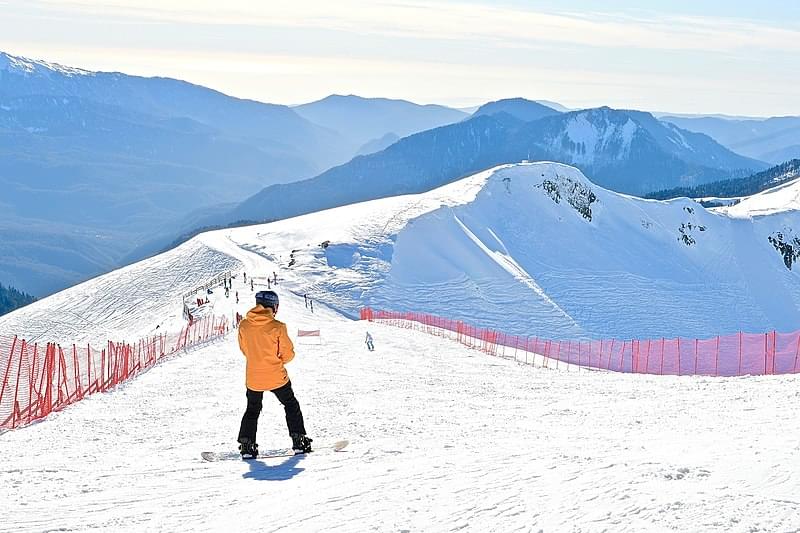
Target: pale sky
{"type": "Point", "coordinates": [700, 56]}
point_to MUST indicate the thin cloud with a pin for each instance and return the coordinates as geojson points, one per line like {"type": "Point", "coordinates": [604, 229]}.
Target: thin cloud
{"type": "Point", "coordinates": [458, 21]}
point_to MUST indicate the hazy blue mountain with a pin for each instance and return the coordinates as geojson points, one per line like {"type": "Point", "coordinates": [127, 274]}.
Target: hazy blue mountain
{"type": "Point", "coordinates": [783, 154]}
{"type": "Point", "coordinates": [84, 154]}
{"type": "Point", "coordinates": [627, 151]}
{"type": "Point", "coordinates": [746, 186]}
{"type": "Point", "coordinates": [361, 120]}
{"type": "Point", "coordinates": [376, 145]}
{"type": "Point", "coordinates": [555, 105]}
{"type": "Point", "coordinates": [775, 139]}
{"type": "Point", "coordinates": [275, 128]}
{"type": "Point", "coordinates": [520, 108]}
{"type": "Point", "coordinates": [11, 298]}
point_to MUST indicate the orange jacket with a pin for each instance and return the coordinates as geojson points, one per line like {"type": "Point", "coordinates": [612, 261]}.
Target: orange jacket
{"type": "Point", "coordinates": [266, 345]}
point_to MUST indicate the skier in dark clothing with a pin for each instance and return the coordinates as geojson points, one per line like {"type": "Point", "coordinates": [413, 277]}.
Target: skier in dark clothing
{"type": "Point", "coordinates": [370, 344]}
{"type": "Point", "coordinates": [265, 343]}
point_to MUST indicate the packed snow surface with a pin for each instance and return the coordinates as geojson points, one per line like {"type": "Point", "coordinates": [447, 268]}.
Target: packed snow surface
{"type": "Point", "coordinates": [442, 437]}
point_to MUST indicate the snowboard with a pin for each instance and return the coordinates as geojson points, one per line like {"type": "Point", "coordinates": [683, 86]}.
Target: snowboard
{"type": "Point", "coordinates": [271, 454]}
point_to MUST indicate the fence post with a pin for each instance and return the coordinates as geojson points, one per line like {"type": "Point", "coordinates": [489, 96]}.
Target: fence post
{"type": "Point", "coordinates": [558, 355]}
{"type": "Point", "coordinates": [8, 367]}
{"type": "Point", "coordinates": [774, 349]}
{"type": "Point", "coordinates": [610, 354]}
{"type": "Point", "coordinates": [797, 353]}
{"type": "Point", "coordinates": [740, 354]}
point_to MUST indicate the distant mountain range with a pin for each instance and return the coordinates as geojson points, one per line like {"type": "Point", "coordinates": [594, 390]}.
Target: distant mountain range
{"type": "Point", "coordinates": [369, 120]}
{"type": "Point", "coordinates": [100, 169]}
{"type": "Point", "coordinates": [87, 158]}
{"type": "Point", "coordinates": [519, 108]}
{"type": "Point", "coordinates": [774, 140]}
{"type": "Point", "coordinates": [627, 151]}
{"type": "Point", "coordinates": [747, 186]}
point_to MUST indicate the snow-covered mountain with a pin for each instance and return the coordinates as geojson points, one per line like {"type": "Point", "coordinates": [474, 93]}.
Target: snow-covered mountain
{"type": "Point", "coordinates": [529, 247]}
{"type": "Point", "coordinates": [626, 151]}
{"type": "Point", "coordinates": [535, 249]}
{"type": "Point", "coordinates": [268, 127]}
{"type": "Point", "coordinates": [90, 157]}
{"type": "Point", "coordinates": [632, 151]}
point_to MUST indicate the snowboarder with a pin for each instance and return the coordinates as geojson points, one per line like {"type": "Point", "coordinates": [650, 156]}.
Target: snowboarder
{"type": "Point", "coordinates": [265, 343]}
{"type": "Point", "coordinates": [370, 345]}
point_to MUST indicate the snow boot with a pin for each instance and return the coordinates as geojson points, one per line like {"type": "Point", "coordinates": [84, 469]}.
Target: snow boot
{"type": "Point", "coordinates": [301, 443]}
{"type": "Point", "coordinates": [248, 448]}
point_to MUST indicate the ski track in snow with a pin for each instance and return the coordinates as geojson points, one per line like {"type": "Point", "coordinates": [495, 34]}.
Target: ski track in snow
{"type": "Point", "coordinates": [443, 438]}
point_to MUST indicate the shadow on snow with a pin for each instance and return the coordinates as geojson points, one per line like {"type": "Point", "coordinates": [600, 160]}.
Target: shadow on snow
{"type": "Point", "coordinates": [280, 472]}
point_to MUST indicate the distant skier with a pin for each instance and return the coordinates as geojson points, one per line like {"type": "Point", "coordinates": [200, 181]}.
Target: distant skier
{"type": "Point", "coordinates": [370, 345]}
{"type": "Point", "coordinates": [305, 297]}
{"type": "Point", "coordinates": [237, 297]}
{"type": "Point", "coordinates": [251, 284]}
{"type": "Point", "coordinates": [265, 343]}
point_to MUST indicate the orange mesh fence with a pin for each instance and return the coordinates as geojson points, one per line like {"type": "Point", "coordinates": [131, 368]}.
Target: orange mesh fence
{"type": "Point", "coordinates": [739, 354]}
{"type": "Point", "coordinates": [38, 379]}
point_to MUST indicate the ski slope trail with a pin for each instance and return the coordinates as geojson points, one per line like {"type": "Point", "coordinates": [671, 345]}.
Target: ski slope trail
{"type": "Point", "coordinates": [442, 438]}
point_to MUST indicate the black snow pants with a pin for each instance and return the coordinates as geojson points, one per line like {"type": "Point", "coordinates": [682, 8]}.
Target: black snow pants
{"type": "Point", "coordinates": [294, 417]}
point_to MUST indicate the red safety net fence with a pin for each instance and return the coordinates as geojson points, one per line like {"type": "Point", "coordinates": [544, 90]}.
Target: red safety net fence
{"type": "Point", "coordinates": [38, 379]}
{"type": "Point", "coordinates": [739, 354]}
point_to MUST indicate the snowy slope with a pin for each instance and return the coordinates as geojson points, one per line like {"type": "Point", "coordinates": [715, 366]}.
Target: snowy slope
{"type": "Point", "coordinates": [530, 249]}
{"type": "Point", "coordinates": [442, 439]}
{"type": "Point", "coordinates": [35, 67]}
{"type": "Point", "coordinates": [497, 249]}
{"type": "Point", "coordinates": [780, 199]}
{"type": "Point", "coordinates": [125, 304]}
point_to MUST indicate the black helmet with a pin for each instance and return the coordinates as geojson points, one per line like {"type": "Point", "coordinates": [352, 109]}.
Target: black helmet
{"type": "Point", "coordinates": [267, 299]}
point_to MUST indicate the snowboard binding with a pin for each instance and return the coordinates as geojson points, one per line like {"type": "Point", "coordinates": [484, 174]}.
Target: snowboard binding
{"type": "Point", "coordinates": [247, 448]}
{"type": "Point", "coordinates": [301, 443]}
